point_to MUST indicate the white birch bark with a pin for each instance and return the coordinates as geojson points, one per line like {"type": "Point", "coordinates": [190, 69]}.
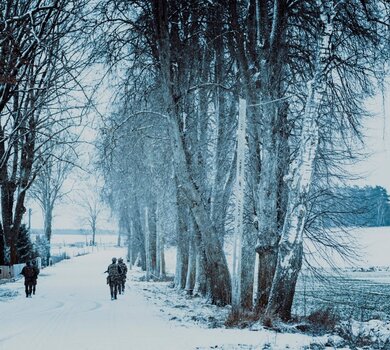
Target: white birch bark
{"type": "Point", "coordinates": [300, 176]}
{"type": "Point", "coordinates": [239, 207]}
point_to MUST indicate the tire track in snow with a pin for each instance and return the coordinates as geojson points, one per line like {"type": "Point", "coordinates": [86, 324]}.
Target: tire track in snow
{"type": "Point", "coordinates": [51, 321]}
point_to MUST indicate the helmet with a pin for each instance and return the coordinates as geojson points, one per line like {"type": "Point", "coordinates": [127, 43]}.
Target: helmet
{"type": "Point", "coordinates": [120, 260]}
{"type": "Point", "coordinates": [114, 260]}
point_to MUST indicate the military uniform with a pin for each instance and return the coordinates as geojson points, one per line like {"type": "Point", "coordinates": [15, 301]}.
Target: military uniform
{"type": "Point", "coordinates": [36, 273]}
{"type": "Point", "coordinates": [28, 273]}
{"type": "Point", "coordinates": [123, 268]}
{"type": "Point", "coordinates": [113, 279]}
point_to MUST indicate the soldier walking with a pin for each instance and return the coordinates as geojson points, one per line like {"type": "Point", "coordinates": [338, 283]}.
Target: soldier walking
{"type": "Point", "coordinates": [123, 274]}
{"type": "Point", "coordinates": [113, 278]}
{"type": "Point", "coordinates": [36, 273]}
{"type": "Point", "coordinates": [28, 273]}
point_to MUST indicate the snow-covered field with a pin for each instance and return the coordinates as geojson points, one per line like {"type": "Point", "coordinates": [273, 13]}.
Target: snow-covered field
{"type": "Point", "coordinates": [101, 239]}
{"type": "Point", "coordinates": [77, 244]}
{"type": "Point", "coordinates": [359, 289]}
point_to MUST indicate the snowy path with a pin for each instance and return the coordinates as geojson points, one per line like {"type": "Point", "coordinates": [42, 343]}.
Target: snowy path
{"type": "Point", "coordinates": [72, 311]}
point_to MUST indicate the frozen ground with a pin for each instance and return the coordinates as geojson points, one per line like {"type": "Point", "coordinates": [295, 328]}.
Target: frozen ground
{"type": "Point", "coordinates": [72, 311]}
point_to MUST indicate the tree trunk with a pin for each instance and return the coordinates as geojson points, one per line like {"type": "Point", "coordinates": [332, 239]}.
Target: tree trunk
{"type": "Point", "coordinates": [270, 190]}
{"type": "Point", "coordinates": [248, 266]}
{"type": "Point", "coordinates": [158, 242]}
{"type": "Point", "coordinates": [2, 245]}
{"type": "Point", "coordinates": [47, 225]}
{"type": "Point", "coordinates": [162, 271]}
{"type": "Point", "coordinates": [182, 250]}
{"type": "Point", "coordinates": [239, 193]}
{"type": "Point", "coordinates": [250, 217]}
{"type": "Point", "coordinates": [200, 284]}
{"type": "Point", "coordinates": [160, 259]}
{"type": "Point", "coordinates": [130, 245]}
{"type": "Point", "coordinates": [138, 234]}
{"type": "Point", "coordinates": [118, 241]}
{"type": "Point", "coordinates": [48, 228]}
{"type": "Point", "coordinates": [181, 267]}
{"type": "Point", "coordinates": [300, 176]}
{"type": "Point", "coordinates": [268, 236]}
{"type": "Point", "coordinates": [7, 193]}
{"type": "Point", "coordinates": [190, 279]}
{"type": "Point", "coordinates": [93, 234]}
{"type": "Point", "coordinates": [148, 255]}
{"type": "Point", "coordinates": [153, 238]}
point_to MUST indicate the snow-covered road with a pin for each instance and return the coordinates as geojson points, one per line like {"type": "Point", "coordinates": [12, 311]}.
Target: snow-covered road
{"type": "Point", "coordinates": [72, 310]}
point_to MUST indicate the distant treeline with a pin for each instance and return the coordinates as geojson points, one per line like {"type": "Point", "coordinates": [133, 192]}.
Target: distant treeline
{"type": "Point", "coordinates": [355, 206]}
{"type": "Point", "coordinates": [74, 232]}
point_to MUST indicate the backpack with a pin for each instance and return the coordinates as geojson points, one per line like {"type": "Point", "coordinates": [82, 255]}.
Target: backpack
{"type": "Point", "coordinates": [113, 270]}
{"type": "Point", "coordinates": [123, 269]}
{"type": "Point", "coordinates": [36, 271]}
{"type": "Point", "coordinates": [29, 272]}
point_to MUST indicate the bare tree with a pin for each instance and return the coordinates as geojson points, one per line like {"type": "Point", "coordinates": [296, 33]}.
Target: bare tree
{"type": "Point", "coordinates": [47, 188]}
{"type": "Point", "coordinates": [91, 208]}
{"type": "Point", "coordinates": [38, 56]}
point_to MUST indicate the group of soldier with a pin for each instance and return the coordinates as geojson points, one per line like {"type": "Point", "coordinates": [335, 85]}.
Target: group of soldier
{"type": "Point", "coordinates": [116, 278]}
{"type": "Point", "coordinates": [30, 272]}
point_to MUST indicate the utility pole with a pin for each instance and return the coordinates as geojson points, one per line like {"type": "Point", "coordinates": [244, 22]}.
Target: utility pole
{"type": "Point", "coordinates": [29, 218]}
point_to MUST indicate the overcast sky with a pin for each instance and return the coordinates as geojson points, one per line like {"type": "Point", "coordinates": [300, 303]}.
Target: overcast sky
{"type": "Point", "coordinates": [376, 167]}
